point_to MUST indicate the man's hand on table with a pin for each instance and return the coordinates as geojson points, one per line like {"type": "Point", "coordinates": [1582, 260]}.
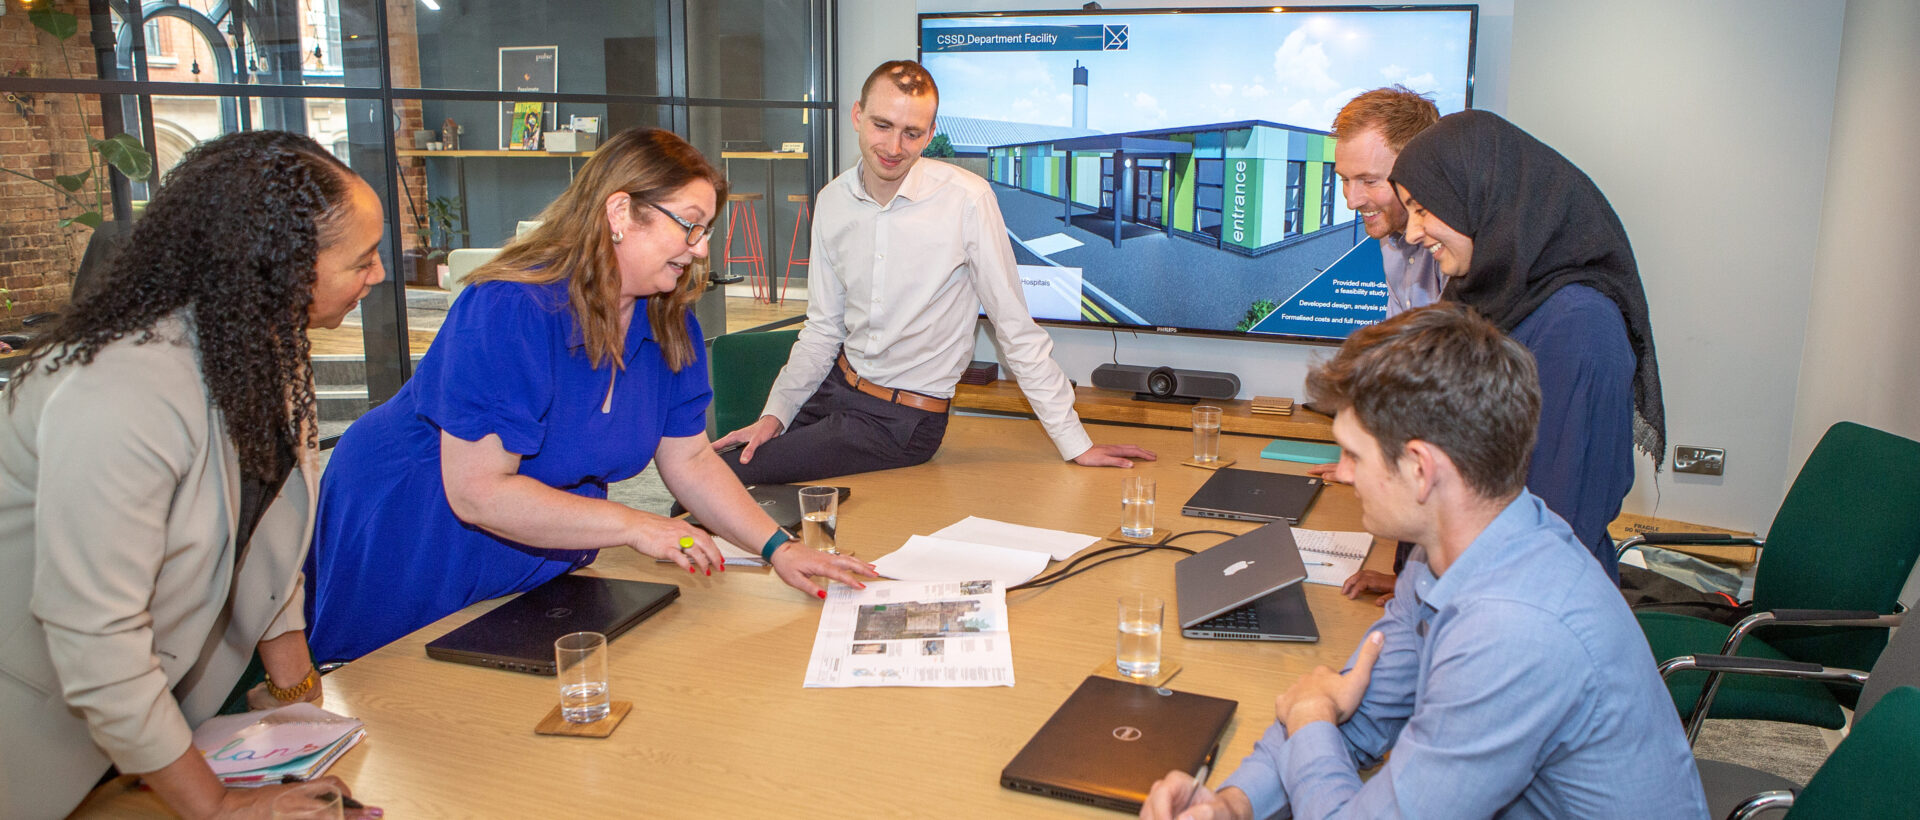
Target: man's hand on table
{"type": "Point", "coordinates": [1324, 694]}
{"type": "Point", "coordinates": [752, 435]}
{"type": "Point", "coordinates": [1111, 455]}
{"type": "Point", "coordinates": [1178, 797]}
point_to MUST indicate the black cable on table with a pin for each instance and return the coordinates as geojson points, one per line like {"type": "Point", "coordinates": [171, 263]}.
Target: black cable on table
{"type": "Point", "coordinates": [1073, 567]}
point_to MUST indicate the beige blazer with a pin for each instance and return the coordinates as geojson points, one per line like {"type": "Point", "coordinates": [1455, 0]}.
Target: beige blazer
{"type": "Point", "coordinates": [119, 493]}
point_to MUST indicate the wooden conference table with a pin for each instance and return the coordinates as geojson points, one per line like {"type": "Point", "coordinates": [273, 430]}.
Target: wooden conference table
{"type": "Point", "coordinates": [721, 726]}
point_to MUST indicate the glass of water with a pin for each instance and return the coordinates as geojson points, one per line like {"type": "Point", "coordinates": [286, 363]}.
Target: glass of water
{"type": "Point", "coordinates": [1206, 434]}
{"type": "Point", "coordinates": [309, 802]}
{"type": "Point", "coordinates": [820, 519]}
{"type": "Point", "coordinates": [580, 661]}
{"type": "Point", "coordinates": [1138, 652]}
{"type": "Point", "coordinates": [1136, 507]}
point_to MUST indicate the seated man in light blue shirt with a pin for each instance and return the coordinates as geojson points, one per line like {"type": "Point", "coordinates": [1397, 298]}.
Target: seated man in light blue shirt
{"type": "Point", "coordinates": [1507, 676]}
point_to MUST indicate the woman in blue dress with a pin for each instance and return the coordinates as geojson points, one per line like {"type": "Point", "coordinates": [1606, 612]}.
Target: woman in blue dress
{"type": "Point", "coordinates": [1527, 239]}
{"type": "Point", "coordinates": [571, 361]}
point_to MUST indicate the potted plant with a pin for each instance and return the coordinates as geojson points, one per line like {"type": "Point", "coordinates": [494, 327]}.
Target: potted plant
{"type": "Point", "coordinates": [443, 221]}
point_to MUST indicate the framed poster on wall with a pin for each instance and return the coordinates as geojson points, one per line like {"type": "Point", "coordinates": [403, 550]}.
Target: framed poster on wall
{"type": "Point", "coordinates": [533, 69]}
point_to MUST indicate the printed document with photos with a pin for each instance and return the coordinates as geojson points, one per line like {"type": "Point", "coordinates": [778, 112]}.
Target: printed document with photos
{"type": "Point", "coordinates": [913, 633]}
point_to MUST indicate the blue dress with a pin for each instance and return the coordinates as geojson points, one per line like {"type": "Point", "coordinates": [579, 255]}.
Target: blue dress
{"type": "Point", "coordinates": [1583, 459]}
{"type": "Point", "coordinates": [389, 556]}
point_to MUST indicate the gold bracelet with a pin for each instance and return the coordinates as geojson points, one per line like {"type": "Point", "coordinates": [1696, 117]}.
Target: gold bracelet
{"type": "Point", "coordinates": [296, 692]}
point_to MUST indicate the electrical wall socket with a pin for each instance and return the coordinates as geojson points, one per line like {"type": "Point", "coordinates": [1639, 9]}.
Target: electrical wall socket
{"type": "Point", "coordinates": [1699, 460]}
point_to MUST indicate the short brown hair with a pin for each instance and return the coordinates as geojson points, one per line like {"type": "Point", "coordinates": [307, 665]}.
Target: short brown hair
{"type": "Point", "coordinates": [1398, 112]}
{"type": "Point", "coordinates": [910, 77]}
{"type": "Point", "coordinates": [574, 243]}
{"type": "Point", "coordinates": [1447, 376]}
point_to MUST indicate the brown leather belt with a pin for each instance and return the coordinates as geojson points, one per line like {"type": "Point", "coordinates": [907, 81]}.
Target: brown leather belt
{"type": "Point", "coordinates": [904, 398]}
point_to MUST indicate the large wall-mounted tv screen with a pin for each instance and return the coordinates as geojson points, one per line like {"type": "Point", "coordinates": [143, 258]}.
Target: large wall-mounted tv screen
{"type": "Point", "coordinates": [1172, 169]}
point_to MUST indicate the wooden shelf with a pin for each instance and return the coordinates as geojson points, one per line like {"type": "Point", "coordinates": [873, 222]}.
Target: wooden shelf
{"type": "Point", "coordinates": [1095, 404]}
{"type": "Point", "coordinates": [418, 152]}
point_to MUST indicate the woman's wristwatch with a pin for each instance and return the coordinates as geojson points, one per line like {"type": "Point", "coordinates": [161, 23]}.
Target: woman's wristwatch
{"type": "Point", "coordinates": [297, 692]}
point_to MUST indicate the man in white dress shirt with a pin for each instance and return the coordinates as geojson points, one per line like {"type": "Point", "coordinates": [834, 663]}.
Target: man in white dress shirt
{"type": "Point", "coordinates": [905, 255]}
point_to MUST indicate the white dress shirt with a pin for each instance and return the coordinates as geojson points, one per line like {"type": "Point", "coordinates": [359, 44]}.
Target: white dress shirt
{"type": "Point", "coordinates": [900, 286]}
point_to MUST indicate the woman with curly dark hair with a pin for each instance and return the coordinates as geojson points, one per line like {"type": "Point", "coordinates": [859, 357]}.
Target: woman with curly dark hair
{"type": "Point", "coordinates": [571, 362]}
{"type": "Point", "coordinates": [157, 478]}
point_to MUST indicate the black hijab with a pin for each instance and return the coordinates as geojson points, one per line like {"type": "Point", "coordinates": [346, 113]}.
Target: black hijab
{"type": "Point", "coordinates": [1538, 224]}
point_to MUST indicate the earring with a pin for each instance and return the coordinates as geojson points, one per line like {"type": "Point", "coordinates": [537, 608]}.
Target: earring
{"type": "Point", "coordinates": [617, 236]}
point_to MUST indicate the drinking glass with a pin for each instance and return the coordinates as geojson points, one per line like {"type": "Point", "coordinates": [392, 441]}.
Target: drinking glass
{"type": "Point", "coordinates": [820, 519]}
{"type": "Point", "coordinates": [315, 802]}
{"type": "Point", "coordinates": [1136, 507]}
{"type": "Point", "coordinates": [1206, 434]}
{"type": "Point", "coordinates": [580, 662]}
{"type": "Point", "coordinates": [1137, 654]}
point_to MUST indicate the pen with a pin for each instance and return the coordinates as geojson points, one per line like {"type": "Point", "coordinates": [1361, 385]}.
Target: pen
{"type": "Point", "coordinates": [1318, 564]}
{"type": "Point", "coordinates": [346, 802]}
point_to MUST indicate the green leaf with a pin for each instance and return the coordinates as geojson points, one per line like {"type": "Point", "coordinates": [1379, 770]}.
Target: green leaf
{"type": "Point", "coordinates": [57, 23]}
{"type": "Point", "coordinates": [124, 152]}
{"type": "Point", "coordinates": [72, 182]}
{"type": "Point", "coordinates": [91, 219]}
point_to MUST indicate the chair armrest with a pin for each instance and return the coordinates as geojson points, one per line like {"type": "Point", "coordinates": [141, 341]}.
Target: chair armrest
{"type": "Point", "coordinates": [38, 319]}
{"type": "Point", "coordinates": [1697, 539]}
{"type": "Point", "coordinates": [1764, 667]}
{"type": "Point", "coordinates": [1778, 800]}
{"type": "Point", "coordinates": [1805, 617]}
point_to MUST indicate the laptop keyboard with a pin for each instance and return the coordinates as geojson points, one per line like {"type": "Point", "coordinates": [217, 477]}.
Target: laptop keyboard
{"type": "Point", "coordinates": [1244, 619]}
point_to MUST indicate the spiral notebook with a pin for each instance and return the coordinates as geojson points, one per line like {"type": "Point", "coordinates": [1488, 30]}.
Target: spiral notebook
{"type": "Point", "coordinates": [1332, 557]}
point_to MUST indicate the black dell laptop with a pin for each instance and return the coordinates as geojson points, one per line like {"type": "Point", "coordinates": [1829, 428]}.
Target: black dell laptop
{"type": "Point", "coordinates": [1246, 495]}
{"type": "Point", "coordinates": [781, 501]}
{"type": "Point", "coordinates": [1112, 739]}
{"type": "Point", "coordinates": [519, 634]}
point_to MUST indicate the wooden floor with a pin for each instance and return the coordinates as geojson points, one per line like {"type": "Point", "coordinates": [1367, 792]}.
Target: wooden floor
{"type": "Point", "coordinates": [742, 313]}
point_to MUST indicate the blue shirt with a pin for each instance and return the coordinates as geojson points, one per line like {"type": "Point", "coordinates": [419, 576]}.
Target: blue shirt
{"type": "Point", "coordinates": [1517, 685]}
{"type": "Point", "coordinates": [1413, 278]}
{"type": "Point", "coordinates": [1583, 459]}
{"type": "Point", "coordinates": [389, 555]}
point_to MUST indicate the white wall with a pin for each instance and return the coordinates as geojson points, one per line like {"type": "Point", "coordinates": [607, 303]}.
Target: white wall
{"type": "Point", "coordinates": [1863, 342]}
{"type": "Point", "coordinates": [1705, 122]}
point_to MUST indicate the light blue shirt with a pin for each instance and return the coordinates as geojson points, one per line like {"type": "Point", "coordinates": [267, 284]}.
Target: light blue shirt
{"type": "Point", "coordinates": [1413, 278]}
{"type": "Point", "coordinates": [1518, 685]}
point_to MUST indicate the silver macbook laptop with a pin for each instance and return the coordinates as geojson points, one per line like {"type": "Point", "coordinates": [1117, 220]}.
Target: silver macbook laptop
{"type": "Point", "coordinates": [1107, 744]}
{"type": "Point", "coordinates": [1246, 588]}
{"type": "Point", "coordinates": [1246, 495]}
{"type": "Point", "coordinates": [519, 634]}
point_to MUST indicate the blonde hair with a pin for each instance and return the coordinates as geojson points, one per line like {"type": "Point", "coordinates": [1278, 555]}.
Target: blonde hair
{"type": "Point", "coordinates": [574, 243]}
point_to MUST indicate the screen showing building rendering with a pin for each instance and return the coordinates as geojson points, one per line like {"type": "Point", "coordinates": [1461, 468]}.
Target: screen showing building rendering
{"type": "Point", "coordinates": [1173, 169]}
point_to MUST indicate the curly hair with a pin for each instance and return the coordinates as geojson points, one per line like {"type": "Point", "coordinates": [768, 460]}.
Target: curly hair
{"type": "Point", "coordinates": [574, 243]}
{"type": "Point", "coordinates": [233, 237]}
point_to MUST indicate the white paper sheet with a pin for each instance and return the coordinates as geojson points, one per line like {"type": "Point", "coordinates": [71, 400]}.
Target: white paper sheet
{"type": "Point", "coordinates": [912, 633]}
{"type": "Point", "coordinates": [1055, 543]}
{"type": "Point", "coordinates": [930, 558]}
{"type": "Point", "coordinates": [1331, 557]}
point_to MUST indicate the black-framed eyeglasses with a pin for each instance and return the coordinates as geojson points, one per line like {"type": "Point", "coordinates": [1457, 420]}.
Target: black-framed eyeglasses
{"type": "Point", "coordinates": [695, 233]}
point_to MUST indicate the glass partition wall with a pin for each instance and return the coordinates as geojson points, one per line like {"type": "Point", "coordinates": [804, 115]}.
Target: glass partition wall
{"type": "Point", "coordinates": [432, 101]}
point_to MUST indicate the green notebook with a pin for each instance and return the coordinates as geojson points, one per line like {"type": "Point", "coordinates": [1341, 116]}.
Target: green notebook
{"type": "Point", "coordinates": [1305, 452]}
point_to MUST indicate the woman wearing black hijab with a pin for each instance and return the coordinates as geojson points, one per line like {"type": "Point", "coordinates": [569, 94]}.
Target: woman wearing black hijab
{"type": "Point", "coordinates": [1528, 240]}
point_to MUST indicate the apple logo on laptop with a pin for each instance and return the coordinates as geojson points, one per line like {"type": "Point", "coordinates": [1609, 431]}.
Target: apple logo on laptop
{"type": "Point", "coordinates": [1235, 567]}
{"type": "Point", "coordinates": [559, 612]}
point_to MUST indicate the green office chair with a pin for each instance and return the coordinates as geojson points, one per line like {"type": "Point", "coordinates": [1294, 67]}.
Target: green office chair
{"type": "Point", "coordinates": [744, 367]}
{"type": "Point", "coordinates": [1733, 789]}
{"type": "Point", "coordinates": [1840, 548]}
{"type": "Point", "coordinates": [1873, 773]}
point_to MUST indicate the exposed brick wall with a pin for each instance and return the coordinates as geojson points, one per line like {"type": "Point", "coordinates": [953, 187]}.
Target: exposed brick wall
{"type": "Point", "coordinates": [37, 256]}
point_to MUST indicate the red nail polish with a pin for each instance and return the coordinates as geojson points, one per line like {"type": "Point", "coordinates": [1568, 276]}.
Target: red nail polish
{"type": "Point", "coordinates": [691, 570]}
{"type": "Point", "coordinates": [709, 572]}
{"type": "Point", "coordinates": [822, 594]}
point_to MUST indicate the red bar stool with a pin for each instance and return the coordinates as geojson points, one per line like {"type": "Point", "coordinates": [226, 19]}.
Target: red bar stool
{"type": "Point", "coordinates": [747, 219]}
{"type": "Point", "coordinates": [801, 218]}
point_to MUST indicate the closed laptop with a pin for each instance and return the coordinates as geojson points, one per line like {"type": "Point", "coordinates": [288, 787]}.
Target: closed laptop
{"type": "Point", "coordinates": [1246, 588]}
{"type": "Point", "coordinates": [1247, 495]}
{"type": "Point", "coordinates": [780, 501]}
{"type": "Point", "coordinates": [519, 634]}
{"type": "Point", "coordinates": [1108, 743]}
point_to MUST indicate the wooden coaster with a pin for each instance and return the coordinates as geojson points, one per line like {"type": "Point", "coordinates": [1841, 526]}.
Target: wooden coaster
{"type": "Point", "coordinates": [1167, 670]}
{"type": "Point", "coordinates": [1217, 464]}
{"type": "Point", "coordinates": [1128, 539]}
{"type": "Point", "coordinates": [554, 724]}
